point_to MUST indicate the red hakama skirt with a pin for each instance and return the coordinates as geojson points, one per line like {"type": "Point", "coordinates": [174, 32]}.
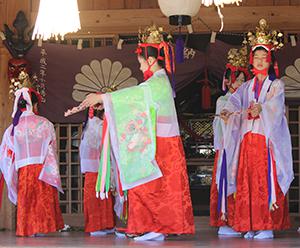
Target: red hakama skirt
{"type": "Point", "coordinates": [98, 214]}
{"type": "Point", "coordinates": [163, 205]}
{"type": "Point", "coordinates": [252, 209]}
{"type": "Point", "coordinates": [38, 206]}
{"type": "Point", "coordinates": [215, 217]}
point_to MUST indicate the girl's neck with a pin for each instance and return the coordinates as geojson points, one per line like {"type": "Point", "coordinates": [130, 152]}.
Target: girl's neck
{"type": "Point", "coordinates": [261, 77]}
{"type": "Point", "coordinates": [155, 68]}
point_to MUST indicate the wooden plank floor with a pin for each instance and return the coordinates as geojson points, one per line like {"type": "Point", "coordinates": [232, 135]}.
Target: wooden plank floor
{"type": "Point", "coordinates": [205, 237]}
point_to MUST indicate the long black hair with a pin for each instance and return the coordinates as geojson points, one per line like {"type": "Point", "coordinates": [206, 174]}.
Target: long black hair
{"type": "Point", "coordinates": [228, 72]}
{"type": "Point", "coordinates": [153, 52]}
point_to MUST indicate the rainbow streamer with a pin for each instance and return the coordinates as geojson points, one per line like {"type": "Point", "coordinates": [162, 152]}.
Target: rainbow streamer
{"type": "Point", "coordinates": [103, 179]}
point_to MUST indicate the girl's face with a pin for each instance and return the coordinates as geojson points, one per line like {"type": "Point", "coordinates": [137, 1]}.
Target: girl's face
{"type": "Point", "coordinates": [239, 80]}
{"type": "Point", "coordinates": [143, 64]}
{"type": "Point", "coordinates": [260, 60]}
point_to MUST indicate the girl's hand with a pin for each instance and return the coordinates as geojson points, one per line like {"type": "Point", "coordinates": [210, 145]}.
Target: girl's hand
{"type": "Point", "coordinates": [224, 115]}
{"type": "Point", "coordinates": [255, 110]}
{"type": "Point", "coordinates": [92, 100]}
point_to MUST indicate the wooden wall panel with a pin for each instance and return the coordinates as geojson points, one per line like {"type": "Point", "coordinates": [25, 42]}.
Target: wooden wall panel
{"type": "Point", "coordinates": [281, 2]}
{"type": "Point", "coordinates": [132, 4]}
{"type": "Point", "coordinates": [35, 5]}
{"type": "Point", "coordinates": [264, 3]}
{"type": "Point", "coordinates": [249, 2]}
{"type": "Point", "coordinates": [3, 15]}
{"type": "Point", "coordinates": [101, 4]}
{"type": "Point", "coordinates": [294, 2]}
{"type": "Point", "coordinates": [8, 11]}
{"type": "Point", "coordinates": [7, 213]}
{"type": "Point", "coordinates": [127, 21]}
{"type": "Point", "coordinates": [149, 4]}
{"type": "Point", "coordinates": [116, 4]}
{"type": "Point", "coordinates": [85, 4]}
{"type": "Point", "coordinates": [13, 6]}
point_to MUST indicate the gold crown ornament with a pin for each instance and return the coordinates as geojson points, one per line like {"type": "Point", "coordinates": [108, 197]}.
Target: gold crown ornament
{"type": "Point", "coordinates": [23, 81]}
{"type": "Point", "coordinates": [265, 37]}
{"type": "Point", "coordinates": [151, 35]}
{"type": "Point", "coordinates": [238, 57]}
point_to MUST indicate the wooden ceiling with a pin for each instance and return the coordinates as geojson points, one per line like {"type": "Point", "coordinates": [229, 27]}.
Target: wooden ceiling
{"type": "Point", "coordinates": [101, 17]}
{"type": "Point", "coordinates": [146, 4]}
{"type": "Point", "coordinates": [126, 16]}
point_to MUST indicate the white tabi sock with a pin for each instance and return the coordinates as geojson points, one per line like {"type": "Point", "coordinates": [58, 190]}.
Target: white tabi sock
{"type": "Point", "coordinates": [249, 235]}
{"type": "Point", "coordinates": [228, 231]}
{"type": "Point", "coordinates": [109, 231]}
{"type": "Point", "coordinates": [265, 234]}
{"type": "Point", "coordinates": [98, 233]}
{"type": "Point", "coordinates": [150, 236]}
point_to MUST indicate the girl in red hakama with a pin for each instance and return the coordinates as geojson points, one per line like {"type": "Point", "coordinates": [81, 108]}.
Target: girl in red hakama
{"type": "Point", "coordinates": [29, 166]}
{"type": "Point", "coordinates": [221, 195]}
{"type": "Point", "coordinates": [98, 214]}
{"type": "Point", "coordinates": [159, 204]}
{"type": "Point", "coordinates": [265, 169]}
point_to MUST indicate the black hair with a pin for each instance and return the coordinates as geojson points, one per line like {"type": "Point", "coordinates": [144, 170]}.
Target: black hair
{"type": "Point", "coordinates": [153, 52]}
{"type": "Point", "coordinates": [271, 71]}
{"type": "Point", "coordinates": [236, 73]}
{"type": "Point", "coordinates": [34, 99]}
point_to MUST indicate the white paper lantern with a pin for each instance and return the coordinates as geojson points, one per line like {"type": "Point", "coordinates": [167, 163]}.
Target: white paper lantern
{"type": "Point", "coordinates": [181, 11]}
{"type": "Point", "coordinates": [56, 18]}
{"type": "Point", "coordinates": [179, 7]}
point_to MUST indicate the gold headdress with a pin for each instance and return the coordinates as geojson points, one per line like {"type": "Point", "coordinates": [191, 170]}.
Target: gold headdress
{"type": "Point", "coordinates": [237, 61]}
{"type": "Point", "coordinates": [23, 81]}
{"type": "Point", "coordinates": [238, 57]}
{"type": "Point", "coordinates": [265, 37]}
{"type": "Point", "coordinates": [151, 35]}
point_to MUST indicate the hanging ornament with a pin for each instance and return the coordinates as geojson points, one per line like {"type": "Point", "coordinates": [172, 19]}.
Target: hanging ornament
{"type": "Point", "coordinates": [205, 92]}
{"type": "Point", "coordinates": [180, 12]}
{"type": "Point", "coordinates": [179, 51]}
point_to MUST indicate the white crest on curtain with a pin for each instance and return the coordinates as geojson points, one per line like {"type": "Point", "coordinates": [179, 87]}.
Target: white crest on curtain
{"type": "Point", "coordinates": [102, 76]}
{"type": "Point", "coordinates": [291, 80]}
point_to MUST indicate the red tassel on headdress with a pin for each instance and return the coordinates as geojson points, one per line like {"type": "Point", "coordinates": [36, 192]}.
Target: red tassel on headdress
{"type": "Point", "coordinates": [251, 58]}
{"type": "Point", "coordinates": [38, 95]}
{"type": "Point", "coordinates": [170, 68]}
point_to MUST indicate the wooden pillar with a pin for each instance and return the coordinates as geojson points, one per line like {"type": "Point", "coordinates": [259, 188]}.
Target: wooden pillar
{"type": "Point", "coordinates": [7, 213]}
{"type": "Point", "coordinates": [8, 12]}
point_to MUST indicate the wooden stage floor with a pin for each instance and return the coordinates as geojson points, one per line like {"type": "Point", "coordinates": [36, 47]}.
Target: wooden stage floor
{"type": "Point", "coordinates": [205, 237]}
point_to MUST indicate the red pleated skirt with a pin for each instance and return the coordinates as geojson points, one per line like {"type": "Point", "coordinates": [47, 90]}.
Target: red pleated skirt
{"type": "Point", "coordinates": [163, 205]}
{"type": "Point", "coordinates": [251, 208]}
{"type": "Point", "coordinates": [215, 217]}
{"type": "Point", "coordinates": [38, 206]}
{"type": "Point", "coordinates": [98, 214]}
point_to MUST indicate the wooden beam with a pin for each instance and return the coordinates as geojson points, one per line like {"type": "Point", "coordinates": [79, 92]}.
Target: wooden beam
{"type": "Point", "coordinates": [236, 19]}
{"type": "Point", "coordinates": [8, 12]}
{"type": "Point", "coordinates": [7, 213]}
